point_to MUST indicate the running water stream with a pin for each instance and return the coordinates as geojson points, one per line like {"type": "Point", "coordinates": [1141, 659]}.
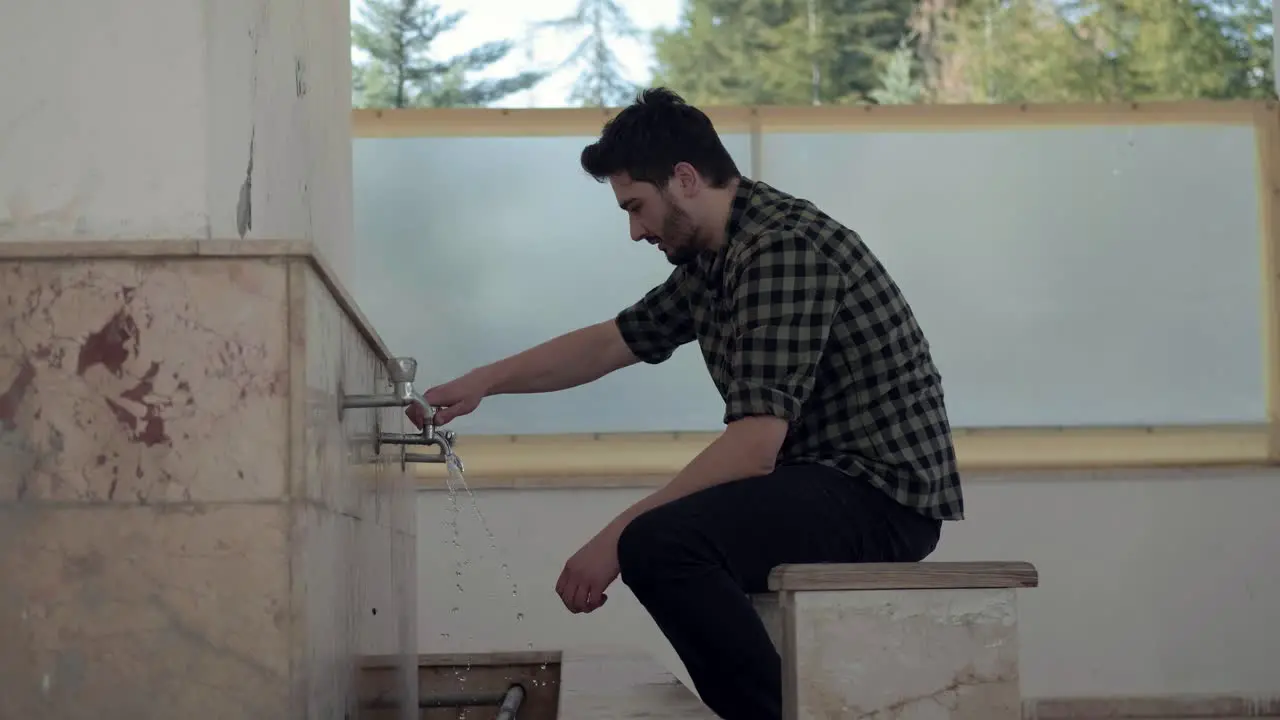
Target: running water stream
{"type": "Point", "coordinates": [455, 482]}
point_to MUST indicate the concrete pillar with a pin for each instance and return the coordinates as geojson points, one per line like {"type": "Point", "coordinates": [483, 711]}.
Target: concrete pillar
{"type": "Point", "coordinates": [191, 525]}
{"type": "Point", "coordinates": [177, 119]}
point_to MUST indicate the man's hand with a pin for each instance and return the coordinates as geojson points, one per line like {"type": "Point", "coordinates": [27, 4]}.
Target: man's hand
{"type": "Point", "coordinates": [589, 573]}
{"type": "Point", "coordinates": [454, 399]}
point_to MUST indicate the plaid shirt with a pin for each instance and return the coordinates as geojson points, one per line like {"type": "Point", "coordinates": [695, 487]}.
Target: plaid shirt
{"type": "Point", "coordinates": [796, 318]}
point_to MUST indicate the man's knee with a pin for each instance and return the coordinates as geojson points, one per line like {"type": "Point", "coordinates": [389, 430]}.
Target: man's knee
{"type": "Point", "coordinates": [651, 544]}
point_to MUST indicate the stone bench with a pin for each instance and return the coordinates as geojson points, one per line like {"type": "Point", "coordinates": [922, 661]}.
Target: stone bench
{"type": "Point", "coordinates": [907, 641]}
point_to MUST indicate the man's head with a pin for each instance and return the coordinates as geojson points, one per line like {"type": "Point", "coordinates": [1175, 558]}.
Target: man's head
{"type": "Point", "coordinates": [669, 172]}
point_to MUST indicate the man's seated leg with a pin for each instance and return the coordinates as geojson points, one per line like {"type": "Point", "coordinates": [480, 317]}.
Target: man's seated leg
{"type": "Point", "coordinates": [692, 563]}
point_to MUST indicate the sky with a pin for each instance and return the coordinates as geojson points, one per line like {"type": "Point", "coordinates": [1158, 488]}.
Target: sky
{"type": "Point", "coordinates": [488, 20]}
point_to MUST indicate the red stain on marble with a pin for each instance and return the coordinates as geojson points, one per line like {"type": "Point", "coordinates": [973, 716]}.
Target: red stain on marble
{"type": "Point", "coordinates": [111, 345]}
{"type": "Point", "coordinates": [12, 397]}
{"type": "Point", "coordinates": [138, 393]}
{"type": "Point", "coordinates": [123, 416]}
{"type": "Point", "coordinates": [153, 430]}
{"type": "Point", "coordinates": [149, 429]}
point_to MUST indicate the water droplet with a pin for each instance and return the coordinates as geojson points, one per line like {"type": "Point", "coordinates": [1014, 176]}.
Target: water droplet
{"type": "Point", "coordinates": [519, 616]}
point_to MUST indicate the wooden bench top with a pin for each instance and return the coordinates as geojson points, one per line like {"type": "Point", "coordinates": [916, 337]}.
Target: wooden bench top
{"type": "Point", "coordinates": [903, 576]}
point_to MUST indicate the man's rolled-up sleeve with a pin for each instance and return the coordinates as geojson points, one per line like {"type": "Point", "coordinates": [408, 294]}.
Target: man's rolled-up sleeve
{"type": "Point", "coordinates": [660, 322]}
{"type": "Point", "coordinates": [786, 297]}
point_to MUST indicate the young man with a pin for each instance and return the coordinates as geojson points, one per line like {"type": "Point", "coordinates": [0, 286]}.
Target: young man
{"type": "Point", "coordinates": [836, 447]}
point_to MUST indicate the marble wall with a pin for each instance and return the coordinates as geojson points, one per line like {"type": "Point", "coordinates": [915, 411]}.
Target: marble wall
{"type": "Point", "coordinates": [375, 519]}
{"type": "Point", "coordinates": [189, 526]}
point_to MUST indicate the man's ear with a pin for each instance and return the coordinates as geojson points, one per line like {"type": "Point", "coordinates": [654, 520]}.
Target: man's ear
{"type": "Point", "coordinates": [687, 179]}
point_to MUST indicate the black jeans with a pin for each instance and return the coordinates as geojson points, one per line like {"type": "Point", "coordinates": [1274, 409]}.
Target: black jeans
{"type": "Point", "coordinates": [692, 562]}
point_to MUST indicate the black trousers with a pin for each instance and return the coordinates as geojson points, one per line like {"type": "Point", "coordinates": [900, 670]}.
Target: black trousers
{"type": "Point", "coordinates": [692, 562]}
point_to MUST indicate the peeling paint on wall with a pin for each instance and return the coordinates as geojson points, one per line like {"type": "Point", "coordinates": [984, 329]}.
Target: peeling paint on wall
{"type": "Point", "coordinates": [244, 208]}
{"type": "Point", "coordinates": [299, 77]}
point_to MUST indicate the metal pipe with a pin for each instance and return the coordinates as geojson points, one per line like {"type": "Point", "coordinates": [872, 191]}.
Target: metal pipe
{"type": "Point", "coordinates": [511, 703]}
{"type": "Point", "coordinates": [400, 373]}
{"type": "Point", "coordinates": [446, 700]}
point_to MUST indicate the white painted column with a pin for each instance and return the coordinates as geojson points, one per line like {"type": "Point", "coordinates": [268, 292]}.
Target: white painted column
{"type": "Point", "coordinates": [176, 119]}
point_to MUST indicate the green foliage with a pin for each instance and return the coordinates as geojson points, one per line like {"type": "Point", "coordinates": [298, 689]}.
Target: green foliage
{"type": "Point", "coordinates": [397, 35]}
{"type": "Point", "coordinates": [1108, 50]}
{"type": "Point", "coordinates": [776, 52]}
{"type": "Point", "coordinates": [799, 52]}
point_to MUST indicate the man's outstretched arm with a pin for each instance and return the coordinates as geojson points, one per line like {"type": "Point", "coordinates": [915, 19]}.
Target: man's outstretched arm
{"type": "Point", "coordinates": [649, 330]}
{"type": "Point", "coordinates": [566, 361]}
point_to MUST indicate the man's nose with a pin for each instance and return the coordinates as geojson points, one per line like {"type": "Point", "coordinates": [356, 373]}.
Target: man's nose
{"type": "Point", "coordinates": [638, 232]}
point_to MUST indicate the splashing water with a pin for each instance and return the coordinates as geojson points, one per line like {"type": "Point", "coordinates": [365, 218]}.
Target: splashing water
{"type": "Point", "coordinates": [455, 473]}
{"type": "Point", "coordinates": [458, 558]}
{"type": "Point", "coordinates": [456, 476]}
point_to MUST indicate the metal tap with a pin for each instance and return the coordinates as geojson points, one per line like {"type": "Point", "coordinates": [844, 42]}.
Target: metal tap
{"type": "Point", "coordinates": [400, 373]}
{"type": "Point", "coordinates": [442, 439]}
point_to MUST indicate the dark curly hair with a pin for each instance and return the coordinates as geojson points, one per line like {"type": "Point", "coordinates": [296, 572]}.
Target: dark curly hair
{"type": "Point", "coordinates": [648, 138]}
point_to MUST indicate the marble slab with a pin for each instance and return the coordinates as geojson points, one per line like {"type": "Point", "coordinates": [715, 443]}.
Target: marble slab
{"type": "Point", "coordinates": [904, 654]}
{"type": "Point", "coordinates": [188, 519]}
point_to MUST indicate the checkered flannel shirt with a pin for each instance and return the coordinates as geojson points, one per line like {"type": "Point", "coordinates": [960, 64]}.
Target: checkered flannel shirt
{"type": "Point", "coordinates": [796, 318]}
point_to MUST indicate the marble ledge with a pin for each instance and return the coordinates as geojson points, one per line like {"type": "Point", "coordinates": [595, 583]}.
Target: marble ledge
{"type": "Point", "coordinates": [56, 250]}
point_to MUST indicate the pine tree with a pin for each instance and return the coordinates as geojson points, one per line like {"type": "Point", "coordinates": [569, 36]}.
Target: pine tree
{"type": "Point", "coordinates": [397, 35]}
{"type": "Point", "coordinates": [780, 52]}
{"type": "Point", "coordinates": [601, 82]}
{"type": "Point", "coordinates": [897, 84]}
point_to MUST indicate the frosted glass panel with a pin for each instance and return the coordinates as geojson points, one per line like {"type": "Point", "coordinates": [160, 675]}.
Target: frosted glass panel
{"type": "Point", "coordinates": [470, 249]}
{"type": "Point", "coordinates": [1064, 277]}
{"type": "Point", "coordinates": [1088, 276]}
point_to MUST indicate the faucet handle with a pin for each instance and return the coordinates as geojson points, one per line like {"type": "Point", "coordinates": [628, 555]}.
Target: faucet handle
{"type": "Point", "coordinates": [402, 370]}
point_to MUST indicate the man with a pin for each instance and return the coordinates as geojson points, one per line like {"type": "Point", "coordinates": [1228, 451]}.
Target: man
{"type": "Point", "coordinates": [836, 445]}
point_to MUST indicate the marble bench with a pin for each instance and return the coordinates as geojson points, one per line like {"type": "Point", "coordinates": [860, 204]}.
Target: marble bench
{"type": "Point", "coordinates": [909, 641]}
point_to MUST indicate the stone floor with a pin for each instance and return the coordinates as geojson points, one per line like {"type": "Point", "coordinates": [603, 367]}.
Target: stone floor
{"type": "Point", "coordinates": [623, 686]}
{"type": "Point", "coordinates": [613, 685]}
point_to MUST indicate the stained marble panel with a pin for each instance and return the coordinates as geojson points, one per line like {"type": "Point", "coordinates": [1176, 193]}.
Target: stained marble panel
{"type": "Point", "coordinates": [142, 381]}
{"type": "Point", "coordinates": [188, 520]}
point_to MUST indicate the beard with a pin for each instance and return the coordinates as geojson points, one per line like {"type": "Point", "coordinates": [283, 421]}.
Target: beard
{"type": "Point", "coordinates": [680, 236]}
